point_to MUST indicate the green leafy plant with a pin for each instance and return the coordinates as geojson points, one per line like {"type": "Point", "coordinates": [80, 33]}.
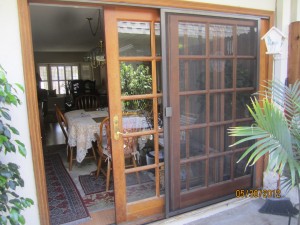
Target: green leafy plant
{"type": "Point", "coordinates": [136, 80]}
{"type": "Point", "coordinates": [276, 130]}
{"type": "Point", "coordinates": [11, 204]}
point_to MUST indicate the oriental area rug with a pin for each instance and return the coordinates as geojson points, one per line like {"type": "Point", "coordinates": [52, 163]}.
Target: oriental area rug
{"type": "Point", "coordinates": [65, 203]}
{"type": "Point", "coordinates": [96, 198]}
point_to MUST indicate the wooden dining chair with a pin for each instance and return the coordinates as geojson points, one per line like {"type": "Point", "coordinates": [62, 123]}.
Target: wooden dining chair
{"type": "Point", "coordinates": [70, 150]}
{"type": "Point", "coordinates": [87, 101]}
{"type": "Point", "coordinates": [104, 151]}
{"type": "Point", "coordinates": [64, 127]}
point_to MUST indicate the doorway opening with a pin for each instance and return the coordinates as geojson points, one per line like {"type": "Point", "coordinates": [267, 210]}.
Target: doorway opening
{"type": "Point", "coordinates": [66, 43]}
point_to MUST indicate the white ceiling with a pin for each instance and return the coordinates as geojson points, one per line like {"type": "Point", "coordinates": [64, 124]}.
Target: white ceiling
{"type": "Point", "coordinates": [64, 29]}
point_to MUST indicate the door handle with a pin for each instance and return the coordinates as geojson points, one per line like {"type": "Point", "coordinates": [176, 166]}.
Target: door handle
{"type": "Point", "coordinates": [116, 128]}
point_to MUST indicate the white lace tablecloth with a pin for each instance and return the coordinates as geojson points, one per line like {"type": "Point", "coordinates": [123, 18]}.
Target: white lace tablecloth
{"type": "Point", "coordinates": [82, 128]}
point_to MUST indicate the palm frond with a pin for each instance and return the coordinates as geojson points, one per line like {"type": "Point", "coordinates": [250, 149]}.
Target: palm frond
{"type": "Point", "coordinates": [272, 132]}
{"type": "Point", "coordinates": [287, 97]}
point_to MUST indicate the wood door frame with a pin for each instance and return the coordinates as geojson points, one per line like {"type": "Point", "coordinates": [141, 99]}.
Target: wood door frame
{"type": "Point", "coordinates": [30, 82]}
{"type": "Point", "coordinates": [146, 207]}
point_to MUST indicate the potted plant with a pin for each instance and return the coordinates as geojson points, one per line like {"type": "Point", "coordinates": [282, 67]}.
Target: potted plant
{"type": "Point", "coordinates": [276, 130]}
{"type": "Point", "coordinates": [11, 204]}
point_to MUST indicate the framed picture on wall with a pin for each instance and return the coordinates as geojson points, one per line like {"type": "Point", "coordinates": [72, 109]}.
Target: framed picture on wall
{"type": "Point", "coordinates": [86, 71]}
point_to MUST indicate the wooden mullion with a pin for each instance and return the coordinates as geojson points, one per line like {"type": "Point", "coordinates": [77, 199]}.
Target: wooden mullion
{"type": "Point", "coordinates": [137, 97]}
{"type": "Point", "coordinates": [222, 111]}
{"type": "Point", "coordinates": [207, 110]}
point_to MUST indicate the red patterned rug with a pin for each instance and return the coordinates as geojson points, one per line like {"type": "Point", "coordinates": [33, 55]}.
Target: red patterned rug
{"type": "Point", "coordinates": [105, 200]}
{"type": "Point", "coordinates": [91, 185]}
{"type": "Point", "coordinates": [65, 203]}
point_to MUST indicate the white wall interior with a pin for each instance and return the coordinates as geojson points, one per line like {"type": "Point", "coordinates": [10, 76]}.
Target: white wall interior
{"type": "Point", "coordinates": [11, 61]}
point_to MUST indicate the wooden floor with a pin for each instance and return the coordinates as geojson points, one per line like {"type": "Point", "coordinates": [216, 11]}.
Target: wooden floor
{"type": "Point", "coordinates": [54, 136]}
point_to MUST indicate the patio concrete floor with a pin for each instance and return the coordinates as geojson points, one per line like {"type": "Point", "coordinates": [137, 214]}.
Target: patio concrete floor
{"type": "Point", "coordinates": [231, 212]}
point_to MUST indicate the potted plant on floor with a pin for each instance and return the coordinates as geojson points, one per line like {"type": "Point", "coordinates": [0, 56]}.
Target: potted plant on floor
{"type": "Point", "coordinates": [11, 204]}
{"type": "Point", "coordinates": [276, 130]}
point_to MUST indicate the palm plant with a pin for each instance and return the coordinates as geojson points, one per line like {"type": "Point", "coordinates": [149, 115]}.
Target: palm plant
{"type": "Point", "coordinates": [276, 130]}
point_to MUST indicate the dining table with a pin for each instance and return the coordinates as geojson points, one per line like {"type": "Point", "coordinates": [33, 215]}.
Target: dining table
{"type": "Point", "coordinates": [83, 124]}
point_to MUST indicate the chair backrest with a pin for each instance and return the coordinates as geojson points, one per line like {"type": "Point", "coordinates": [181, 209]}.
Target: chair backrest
{"type": "Point", "coordinates": [87, 102]}
{"type": "Point", "coordinates": [130, 143]}
{"type": "Point", "coordinates": [104, 133]}
{"type": "Point", "coordinates": [76, 87]}
{"type": "Point", "coordinates": [89, 87]}
{"type": "Point", "coordinates": [62, 122]}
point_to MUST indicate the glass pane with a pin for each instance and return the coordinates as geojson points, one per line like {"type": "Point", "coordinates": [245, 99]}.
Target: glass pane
{"type": "Point", "coordinates": [162, 179]}
{"type": "Point", "coordinates": [242, 100]}
{"type": "Point", "coordinates": [43, 72]}
{"type": "Point", "coordinates": [221, 74]}
{"type": "Point", "coordinates": [54, 72]}
{"type": "Point", "coordinates": [197, 174]}
{"type": "Point", "coordinates": [220, 107]}
{"type": "Point", "coordinates": [55, 86]}
{"type": "Point", "coordinates": [192, 75]}
{"type": "Point", "coordinates": [140, 185]}
{"type": "Point", "coordinates": [221, 39]}
{"type": "Point", "coordinates": [157, 39]}
{"type": "Point", "coordinates": [61, 72]}
{"type": "Point", "coordinates": [75, 72]}
{"type": "Point", "coordinates": [217, 138]}
{"type": "Point", "coordinates": [147, 151]}
{"type": "Point", "coordinates": [183, 176]}
{"type": "Point", "coordinates": [136, 78]}
{"type": "Point", "coordinates": [44, 85]}
{"type": "Point", "coordinates": [140, 151]}
{"type": "Point", "coordinates": [192, 109]}
{"type": "Point", "coordinates": [68, 73]}
{"type": "Point", "coordinates": [246, 73]}
{"type": "Point", "coordinates": [62, 87]}
{"type": "Point", "coordinates": [219, 169]}
{"type": "Point", "coordinates": [192, 143]}
{"type": "Point", "coordinates": [228, 140]}
{"type": "Point", "coordinates": [159, 77]}
{"type": "Point", "coordinates": [240, 168]}
{"type": "Point", "coordinates": [160, 111]}
{"type": "Point", "coordinates": [192, 175]}
{"type": "Point", "coordinates": [192, 38]}
{"type": "Point", "coordinates": [138, 115]}
{"type": "Point", "coordinates": [246, 40]}
{"type": "Point", "coordinates": [134, 38]}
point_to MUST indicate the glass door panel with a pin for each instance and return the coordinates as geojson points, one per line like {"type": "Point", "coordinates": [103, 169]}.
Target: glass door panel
{"type": "Point", "coordinates": [212, 76]}
{"type": "Point", "coordinates": [135, 104]}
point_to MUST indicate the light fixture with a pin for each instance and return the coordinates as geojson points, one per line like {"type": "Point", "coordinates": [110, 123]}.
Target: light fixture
{"type": "Point", "coordinates": [96, 56]}
{"type": "Point", "coordinates": [274, 39]}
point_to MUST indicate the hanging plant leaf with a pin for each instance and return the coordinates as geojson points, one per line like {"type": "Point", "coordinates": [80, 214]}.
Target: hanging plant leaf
{"type": "Point", "coordinates": [5, 115]}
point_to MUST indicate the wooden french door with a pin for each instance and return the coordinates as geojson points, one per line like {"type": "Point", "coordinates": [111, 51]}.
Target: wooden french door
{"type": "Point", "coordinates": [212, 74]}
{"type": "Point", "coordinates": [133, 51]}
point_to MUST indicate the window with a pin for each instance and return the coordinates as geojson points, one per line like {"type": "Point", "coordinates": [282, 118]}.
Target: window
{"type": "Point", "coordinates": [56, 77]}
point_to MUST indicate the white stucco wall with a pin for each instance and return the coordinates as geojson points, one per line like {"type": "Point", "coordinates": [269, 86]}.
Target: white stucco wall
{"type": "Point", "coordinates": [11, 61]}
{"type": "Point", "coordinates": [254, 4]}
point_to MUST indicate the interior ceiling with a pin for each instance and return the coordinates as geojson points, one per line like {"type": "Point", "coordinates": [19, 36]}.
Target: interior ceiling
{"type": "Point", "coordinates": [64, 29]}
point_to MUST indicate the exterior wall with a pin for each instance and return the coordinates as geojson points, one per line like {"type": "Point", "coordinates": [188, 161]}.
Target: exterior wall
{"type": "Point", "coordinates": [11, 61]}
{"type": "Point", "coordinates": [255, 4]}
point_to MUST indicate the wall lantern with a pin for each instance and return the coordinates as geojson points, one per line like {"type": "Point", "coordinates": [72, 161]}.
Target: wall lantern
{"type": "Point", "coordinates": [274, 39]}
